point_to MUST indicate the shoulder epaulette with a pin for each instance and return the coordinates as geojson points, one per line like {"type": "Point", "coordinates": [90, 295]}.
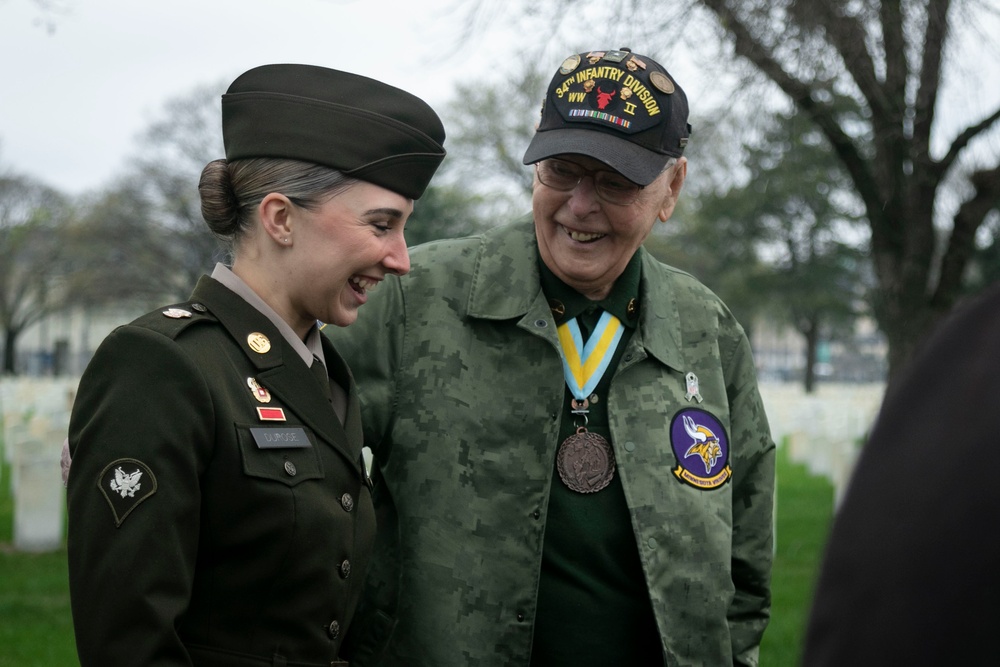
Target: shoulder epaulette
{"type": "Point", "coordinates": [172, 320]}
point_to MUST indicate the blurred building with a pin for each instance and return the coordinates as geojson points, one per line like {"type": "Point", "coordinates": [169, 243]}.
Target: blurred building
{"type": "Point", "coordinates": [861, 357]}
{"type": "Point", "coordinates": [62, 344]}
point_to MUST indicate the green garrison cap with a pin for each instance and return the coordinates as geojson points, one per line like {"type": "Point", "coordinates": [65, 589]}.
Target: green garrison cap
{"type": "Point", "coordinates": [364, 128]}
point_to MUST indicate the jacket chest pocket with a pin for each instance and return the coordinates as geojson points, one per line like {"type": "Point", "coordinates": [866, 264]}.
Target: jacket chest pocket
{"type": "Point", "coordinates": [284, 454]}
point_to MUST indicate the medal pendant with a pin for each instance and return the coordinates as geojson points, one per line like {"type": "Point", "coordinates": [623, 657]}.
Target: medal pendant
{"type": "Point", "coordinates": [585, 461]}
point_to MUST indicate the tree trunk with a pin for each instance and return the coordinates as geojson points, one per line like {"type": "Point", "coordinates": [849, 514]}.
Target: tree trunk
{"type": "Point", "coordinates": [811, 333]}
{"type": "Point", "coordinates": [10, 338]}
{"type": "Point", "coordinates": [905, 322]}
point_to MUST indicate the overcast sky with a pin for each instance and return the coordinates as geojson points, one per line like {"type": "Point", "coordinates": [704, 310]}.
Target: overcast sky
{"type": "Point", "coordinates": [77, 86]}
{"type": "Point", "coordinates": [74, 96]}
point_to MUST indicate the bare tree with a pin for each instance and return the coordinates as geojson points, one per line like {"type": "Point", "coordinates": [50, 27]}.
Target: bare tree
{"type": "Point", "coordinates": [119, 255]}
{"type": "Point", "coordinates": [32, 217]}
{"type": "Point", "coordinates": [172, 152]}
{"type": "Point", "coordinates": [487, 140]}
{"type": "Point", "coordinates": [888, 55]}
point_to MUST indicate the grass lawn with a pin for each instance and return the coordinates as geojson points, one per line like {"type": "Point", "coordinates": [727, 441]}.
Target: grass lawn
{"type": "Point", "coordinates": [35, 624]}
{"type": "Point", "coordinates": [36, 629]}
{"type": "Point", "coordinates": [805, 509]}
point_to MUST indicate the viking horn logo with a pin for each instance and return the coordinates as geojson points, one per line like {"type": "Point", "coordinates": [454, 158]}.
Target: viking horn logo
{"type": "Point", "coordinates": [706, 444]}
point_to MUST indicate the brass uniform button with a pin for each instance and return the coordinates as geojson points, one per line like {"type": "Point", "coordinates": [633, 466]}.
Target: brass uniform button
{"type": "Point", "coordinates": [347, 502]}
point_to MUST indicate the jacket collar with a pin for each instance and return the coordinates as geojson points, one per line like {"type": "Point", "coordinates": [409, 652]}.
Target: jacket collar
{"type": "Point", "coordinates": [280, 368]}
{"type": "Point", "coordinates": [506, 282]}
{"type": "Point", "coordinates": [241, 320]}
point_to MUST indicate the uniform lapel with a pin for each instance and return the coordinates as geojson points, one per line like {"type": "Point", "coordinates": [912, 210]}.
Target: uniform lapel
{"type": "Point", "coordinates": [293, 383]}
{"type": "Point", "coordinates": [280, 369]}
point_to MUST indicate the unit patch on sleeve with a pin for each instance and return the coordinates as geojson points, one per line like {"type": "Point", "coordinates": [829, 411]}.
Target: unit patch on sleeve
{"type": "Point", "coordinates": [125, 483]}
{"type": "Point", "coordinates": [701, 446]}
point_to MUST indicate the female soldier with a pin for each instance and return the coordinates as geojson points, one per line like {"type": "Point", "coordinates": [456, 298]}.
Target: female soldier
{"type": "Point", "coordinates": [219, 509]}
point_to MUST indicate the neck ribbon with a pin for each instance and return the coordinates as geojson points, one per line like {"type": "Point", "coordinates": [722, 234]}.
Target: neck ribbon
{"type": "Point", "coordinates": [584, 364]}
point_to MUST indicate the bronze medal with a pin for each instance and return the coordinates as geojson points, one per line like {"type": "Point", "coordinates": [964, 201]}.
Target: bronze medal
{"type": "Point", "coordinates": [586, 462]}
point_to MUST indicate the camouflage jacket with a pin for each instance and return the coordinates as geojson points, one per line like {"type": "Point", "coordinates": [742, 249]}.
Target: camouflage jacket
{"type": "Point", "coordinates": [458, 365]}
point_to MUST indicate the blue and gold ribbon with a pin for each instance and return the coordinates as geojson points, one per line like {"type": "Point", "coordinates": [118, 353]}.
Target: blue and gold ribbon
{"type": "Point", "coordinates": [584, 364]}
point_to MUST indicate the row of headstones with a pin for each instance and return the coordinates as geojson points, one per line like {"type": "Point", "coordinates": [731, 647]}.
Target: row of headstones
{"type": "Point", "coordinates": [825, 430]}
{"type": "Point", "coordinates": [35, 416]}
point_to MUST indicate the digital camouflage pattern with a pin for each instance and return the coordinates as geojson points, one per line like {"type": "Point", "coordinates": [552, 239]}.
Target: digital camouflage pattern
{"type": "Point", "coordinates": [459, 370]}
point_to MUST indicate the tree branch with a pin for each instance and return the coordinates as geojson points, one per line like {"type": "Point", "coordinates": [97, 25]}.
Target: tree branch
{"type": "Point", "coordinates": [750, 48]}
{"type": "Point", "coordinates": [847, 35]}
{"type": "Point", "coordinates": [894, 43]}
{"type": "Point", "coordinates": [961, 244]}
{"type": "Point", "coordinates": [962, 140]}
{"type": "Point", "coordinates": [930, 77]}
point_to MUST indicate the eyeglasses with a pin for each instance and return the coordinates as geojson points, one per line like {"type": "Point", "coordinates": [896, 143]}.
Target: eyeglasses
{"type": "Point", "coordinates": [610, 186]}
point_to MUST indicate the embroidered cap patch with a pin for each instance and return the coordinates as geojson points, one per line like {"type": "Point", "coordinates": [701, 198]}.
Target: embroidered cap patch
{"type": "Point", "coordinates": [701, 446]}
{"type": "Point", "coordinates": [125, 483]}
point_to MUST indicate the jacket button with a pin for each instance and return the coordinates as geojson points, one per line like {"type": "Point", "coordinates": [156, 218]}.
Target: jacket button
{"type": "Point", "coordinates": [333, 630]}
{"type": "Point", "coordinates": [520, 616]}
{"type": "Point", "coordinates": [290, 468]}
{"type": "Point", "coordinates": [347, 502]}
{"type": "Point", "coordinates": [345, 569]}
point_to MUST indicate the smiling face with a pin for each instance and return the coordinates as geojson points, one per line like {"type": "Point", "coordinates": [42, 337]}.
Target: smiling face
{"type": "Point", "coordinates": [588, 242]}
{"type": "Point", "coordinates": [342, 250]}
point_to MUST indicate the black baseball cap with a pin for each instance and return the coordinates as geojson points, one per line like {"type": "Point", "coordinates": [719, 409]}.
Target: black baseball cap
{"type": "Point", "coordinates": [618, 107]}
{"type": "Point", "coordinates": [364, 128]}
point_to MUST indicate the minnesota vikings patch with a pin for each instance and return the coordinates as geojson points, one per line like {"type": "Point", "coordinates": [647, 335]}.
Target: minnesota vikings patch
{"type": "Point", "coordinates": [125, 483]}
{"type": "Point", "coordinates": [701, 446]}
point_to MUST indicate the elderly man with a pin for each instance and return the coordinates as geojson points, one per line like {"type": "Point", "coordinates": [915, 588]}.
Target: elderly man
{"type": "Point", "coordinates": [576, 468]}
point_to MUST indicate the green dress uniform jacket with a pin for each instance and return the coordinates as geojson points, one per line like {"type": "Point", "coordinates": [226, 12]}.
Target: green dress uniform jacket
{"type": "Point", "coordinates": [203, 529]}
{"type": "Point", "coordinates": [462, 395]}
